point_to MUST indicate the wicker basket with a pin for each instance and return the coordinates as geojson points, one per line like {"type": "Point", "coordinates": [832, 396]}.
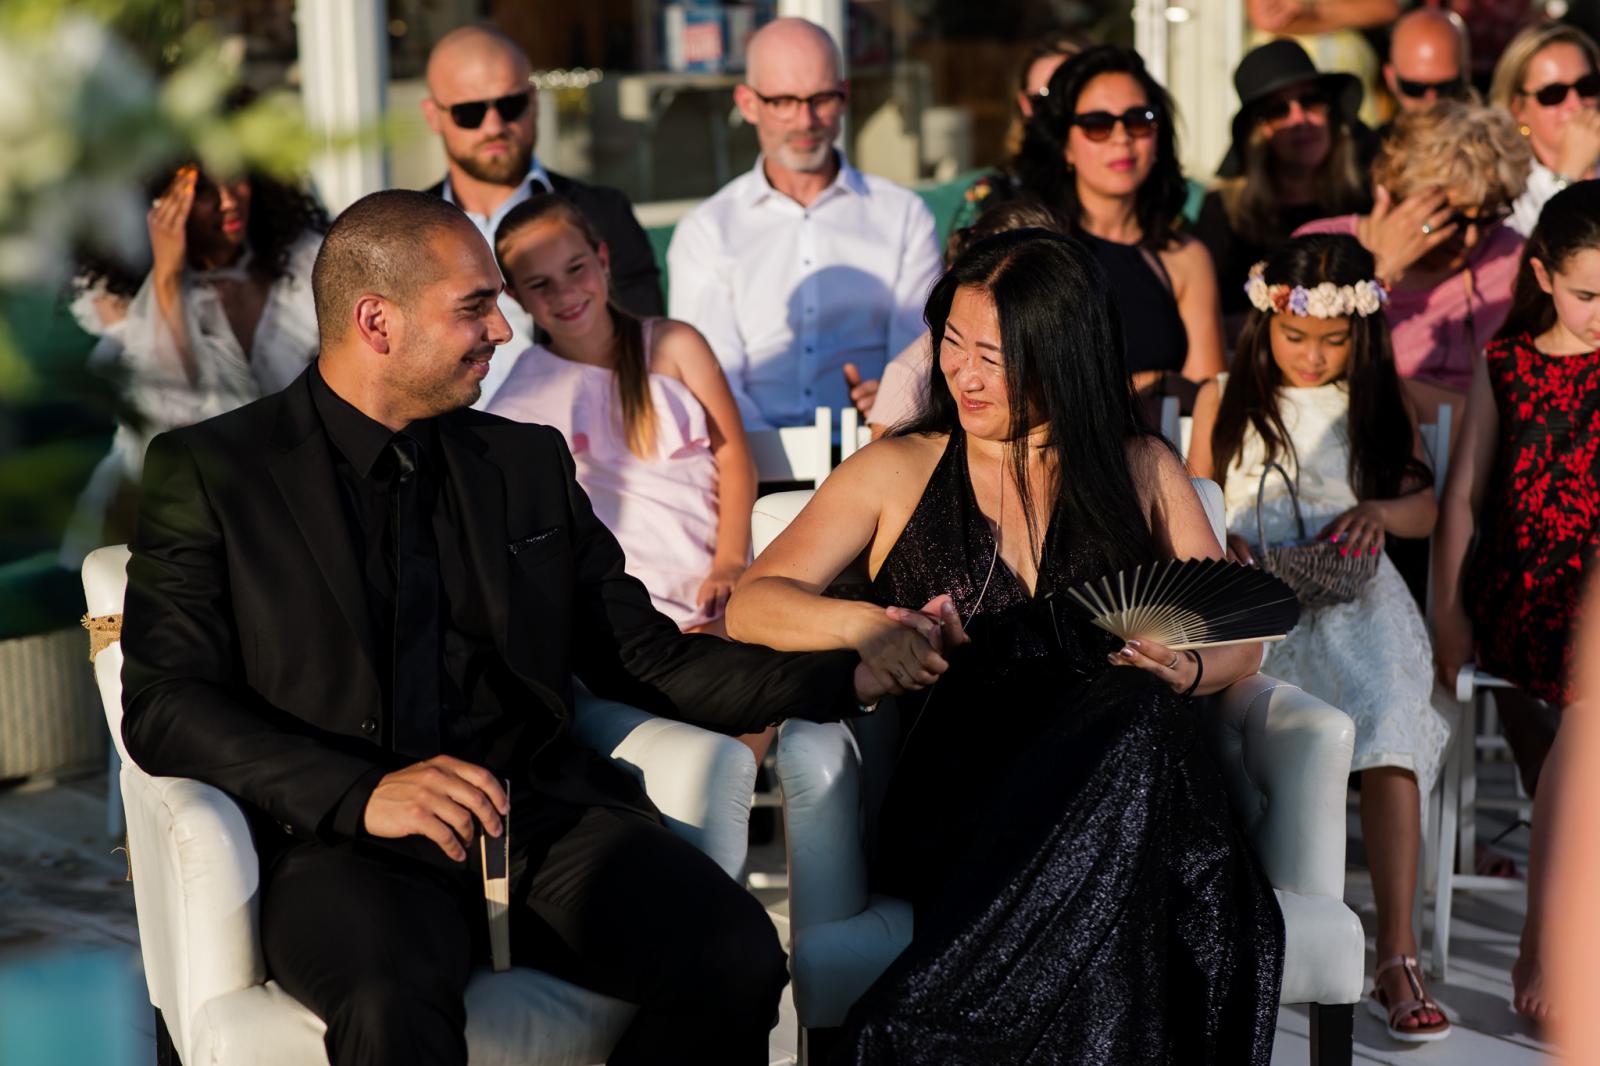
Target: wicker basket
{"type": "Point", "coordinates": [50, 719]}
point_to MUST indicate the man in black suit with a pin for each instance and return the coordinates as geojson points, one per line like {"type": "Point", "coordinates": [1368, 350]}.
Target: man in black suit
{"type": "Point", "coordinates": [486, 114]}
{"type": "Point", "coordinates": [357, 605]}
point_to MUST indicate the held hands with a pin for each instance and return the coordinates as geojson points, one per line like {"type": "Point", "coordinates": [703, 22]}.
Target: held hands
{"type": "Point", "coordinates": [1399, 235]}
{"type": "Point", "coordinates": [902, 652]}
{"type": "Point", "coordinates": [1177, 669]}
{"type": "Point", "coordinates": [167, 221]}
{"type": "Point", "coordinates": [1358, 530]}
{"type": "Point", "coordinates": [712, 599]}
{"type": "Point", "coordinates": [438, 799]}
{"type": "Point", "coordinates": [862, 393]}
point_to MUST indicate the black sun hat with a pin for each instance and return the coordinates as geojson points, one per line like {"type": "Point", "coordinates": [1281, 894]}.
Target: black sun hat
{"type": "Point", "coordinates": [1277, 65]}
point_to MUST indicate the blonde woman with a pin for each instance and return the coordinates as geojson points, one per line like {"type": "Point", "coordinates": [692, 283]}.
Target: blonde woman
{"type": "Point", "coordinates": [1444, 182]}
{"type": "Point", "coordinates": [1548, 81]}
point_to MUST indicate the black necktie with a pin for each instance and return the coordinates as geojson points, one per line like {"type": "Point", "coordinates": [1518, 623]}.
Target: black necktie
{"type": "Point", "coordinates": [416, 608]}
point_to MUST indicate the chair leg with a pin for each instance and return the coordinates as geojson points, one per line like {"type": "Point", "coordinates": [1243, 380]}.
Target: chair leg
{"type": "Point", "coordinates": [166, 1054]}
{"type": "Point", "coordinates": [1332, 1033]}
{"type": "Point", "coordinates": [1444, 866]}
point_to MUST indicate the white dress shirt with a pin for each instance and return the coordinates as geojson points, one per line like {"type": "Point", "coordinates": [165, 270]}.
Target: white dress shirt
{"type": "Point", "coordinates": [520, 321]}
{"type": "Point", "coordinates": [787, 295]}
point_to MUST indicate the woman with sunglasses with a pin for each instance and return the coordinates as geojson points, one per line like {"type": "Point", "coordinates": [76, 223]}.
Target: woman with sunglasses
{"type": "Point", "coordinates": [1298, 154]}
{"type": "Point", "coordinates": [1100, 149]}
{"type": "Point", "coordinates": [1444, 181]}
{"type": "Point", "coordinates": [223, 316]}
{"type": "Point", "coordinates": [1548, 80]}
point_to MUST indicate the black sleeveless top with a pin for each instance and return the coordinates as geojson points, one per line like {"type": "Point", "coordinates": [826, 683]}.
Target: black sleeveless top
{"type": "Point", "coordinates": [1153, 334]}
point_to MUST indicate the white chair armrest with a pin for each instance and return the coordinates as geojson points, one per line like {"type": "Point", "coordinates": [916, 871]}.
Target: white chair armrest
{"type": "Point", "coordinates": [197, 894]}
{"type": "Point", "coordinates": [819, 771]}
{"type": "Point", "coordinates": [1285, 759]}
{"type": "Point", "coordinates": [700, 781]}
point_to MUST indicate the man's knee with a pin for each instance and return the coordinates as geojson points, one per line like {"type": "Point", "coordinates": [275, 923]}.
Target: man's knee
{"type": "Point", "coordinates": [399, 1018]}
{"type": "Point", "coordinates": [739, 963]}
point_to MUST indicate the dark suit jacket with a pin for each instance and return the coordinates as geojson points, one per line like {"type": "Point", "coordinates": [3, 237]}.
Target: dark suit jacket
{"type": "Point", "coordinates": [635, 278]}
{"type": "Point", "coordinates": [248, 646]}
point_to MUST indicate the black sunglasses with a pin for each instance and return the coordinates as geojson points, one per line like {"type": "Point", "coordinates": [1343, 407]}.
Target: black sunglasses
{"type": "Point", "coordinates": [470, 115]}
{"type": "Point", "coordinates": [1453, 89]}
{"type": "Point", "coordinates": [1486, 217]}
{"type": "Point", "coordinates": [1587, 88]}
{"type": "Point", "coordinates": [1098, 125]}
{"type": "Point", "coordinates": [1277, 109]}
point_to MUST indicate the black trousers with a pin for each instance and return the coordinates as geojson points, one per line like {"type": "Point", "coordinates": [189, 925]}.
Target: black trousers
{"type": "Point", "coordinates": [380, 945]}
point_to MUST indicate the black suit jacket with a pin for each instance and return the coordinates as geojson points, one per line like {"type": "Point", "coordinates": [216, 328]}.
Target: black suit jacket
{"type": "Point", "coordinates": [635, 278]}
{"type": "Point", "coordinates": [248, 647]}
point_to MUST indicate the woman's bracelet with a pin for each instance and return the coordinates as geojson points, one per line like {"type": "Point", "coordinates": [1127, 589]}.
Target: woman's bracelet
{"type": "Point", "coordinates": [1199, 672]}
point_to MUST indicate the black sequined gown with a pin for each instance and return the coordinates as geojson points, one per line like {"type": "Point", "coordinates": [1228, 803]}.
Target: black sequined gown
{"type": "Point", "coordinates": [1081, 894]}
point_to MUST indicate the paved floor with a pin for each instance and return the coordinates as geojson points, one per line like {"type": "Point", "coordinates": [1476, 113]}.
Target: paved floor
{"type": "Point", "coordinates": [72, 994]}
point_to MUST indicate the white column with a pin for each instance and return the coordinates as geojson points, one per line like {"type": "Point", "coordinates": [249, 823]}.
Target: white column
{"type": "Point", "coordinates": [1204, 43]}
{"type": "Point", "coordinates": [344, 75]}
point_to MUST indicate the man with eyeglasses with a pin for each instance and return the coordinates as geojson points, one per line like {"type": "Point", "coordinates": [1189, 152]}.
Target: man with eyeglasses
{"type": "Point", "coordinates": [1427, 58]}
{"type": "Point", "coordinates": [804, 274]}
{"type": "Point", "coordinates": [485, 112]}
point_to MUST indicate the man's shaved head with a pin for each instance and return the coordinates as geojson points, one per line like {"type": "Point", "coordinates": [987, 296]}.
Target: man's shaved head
{"type": "Point", "coordinates": [789, 42]}
{"type": "Point", "coordinates": [471, 65]}
{"type": "Point", "coordinates": [381, 244]}
{"type": "Point", "coordinates": [1427, 46]}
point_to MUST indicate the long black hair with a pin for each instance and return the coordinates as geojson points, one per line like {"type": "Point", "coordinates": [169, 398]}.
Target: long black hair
{"type": "Point", "coordinates": [1382, 464]}
{"type": "Point", "coordinates": [1064, 368]}
{"type": "Point", "coordinates": [1041, 165]}
{"type": "Point", "coordinates": [1569, 224]}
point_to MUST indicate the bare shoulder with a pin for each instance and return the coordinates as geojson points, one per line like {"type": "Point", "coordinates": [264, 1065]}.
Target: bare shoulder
{"type": "Point", "coordinates": [892, 463]}
{"type": "Point", "coordinates": [1186, 259]}
{"type": "Point", "coordinates": [678, 350]}
{"type": "Point", "coordinates": [1157, 471]}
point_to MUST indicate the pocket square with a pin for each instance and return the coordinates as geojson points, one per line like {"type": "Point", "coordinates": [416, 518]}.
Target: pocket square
{"type": "Point", "coordinates": [532, 540]}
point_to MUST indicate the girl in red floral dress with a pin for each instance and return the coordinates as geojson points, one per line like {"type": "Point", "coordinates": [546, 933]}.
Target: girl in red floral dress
{"type": "Point", "coordinates": [1525, 475]}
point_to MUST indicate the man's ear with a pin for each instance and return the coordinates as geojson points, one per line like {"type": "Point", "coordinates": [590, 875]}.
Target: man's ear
{"type": "Point", "coordinates": [434, 114]}
{"type": "Point", "coordinates": [1392, 80]}
{"type": "Point", "coordinates": [374, 320]}
{"type": "Point", "coordinates": [748, 102]}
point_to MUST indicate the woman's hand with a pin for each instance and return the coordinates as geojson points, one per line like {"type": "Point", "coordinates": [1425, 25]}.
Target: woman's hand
{"type": "Point", "coordinates": [168, 220]}
{"type": "Point", "coordinates": [1452, 645]}
{"type": "Point", "coordinates": [712, 599]}
{"type": "Point", "coordinates": [1239, 550]}
{"type": "Point", "coordinates": [1360, 529]}
{"type": "Point", "coordinates": [902, 651]}
{"type": "Point", "coordinates": [1394, 233]}
{"type": "Point", "coordinates": [1580, 145]}
{"type": "Point", "coordinates": [1177, 669]}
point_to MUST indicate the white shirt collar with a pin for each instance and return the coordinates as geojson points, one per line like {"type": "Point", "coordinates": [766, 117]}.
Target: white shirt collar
{"type": "Point", "coordinates": [536, 174]}
{"type": "Point", "coordinates": [848, 179]}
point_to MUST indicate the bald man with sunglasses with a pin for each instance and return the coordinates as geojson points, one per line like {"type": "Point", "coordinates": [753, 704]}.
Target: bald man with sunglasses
{"type": "Point", "coordinates": [486, 112]}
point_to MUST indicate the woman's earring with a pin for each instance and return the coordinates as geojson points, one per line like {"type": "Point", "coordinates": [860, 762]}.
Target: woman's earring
{"type": "Point", "coordinates": [1525, 129]}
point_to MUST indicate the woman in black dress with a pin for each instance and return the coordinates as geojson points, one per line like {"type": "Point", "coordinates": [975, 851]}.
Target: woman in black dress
{"type": "Point", "coordinates": [1080, 894]}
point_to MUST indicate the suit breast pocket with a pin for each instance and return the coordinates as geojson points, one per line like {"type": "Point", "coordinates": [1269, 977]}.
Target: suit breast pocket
{"type": "Point", "coordinates": [540, 547]}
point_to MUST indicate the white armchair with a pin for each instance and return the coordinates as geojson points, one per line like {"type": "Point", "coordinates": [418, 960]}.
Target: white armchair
{"type": "Point", "coordinates": [1285, 759]}
{"type": "Point", "coordinates": [196, 883]}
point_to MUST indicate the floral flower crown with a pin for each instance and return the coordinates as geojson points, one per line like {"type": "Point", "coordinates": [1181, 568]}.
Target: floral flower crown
{"type": "Point", "coordinates": [1327, 300]}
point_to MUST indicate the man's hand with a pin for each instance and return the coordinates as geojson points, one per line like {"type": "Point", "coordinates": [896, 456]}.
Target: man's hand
{"type": "Point", "coordinates": [437, 799]}
{"type": "Point", "coordinates": [906, 657]}
{"type": "Point", "coordinates": [862, 393]}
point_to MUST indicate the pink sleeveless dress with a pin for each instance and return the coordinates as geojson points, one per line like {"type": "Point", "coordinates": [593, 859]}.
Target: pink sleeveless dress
{"type": "Point", "coordinates": [663, 511]}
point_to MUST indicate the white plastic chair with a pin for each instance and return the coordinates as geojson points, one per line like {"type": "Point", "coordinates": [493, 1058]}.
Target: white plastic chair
{"type": "Point", "coordinates": [795, 453]}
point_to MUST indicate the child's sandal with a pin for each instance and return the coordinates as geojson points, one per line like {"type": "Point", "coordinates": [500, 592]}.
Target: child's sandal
{"type": "Point", "coordinates": [1395, 1013]}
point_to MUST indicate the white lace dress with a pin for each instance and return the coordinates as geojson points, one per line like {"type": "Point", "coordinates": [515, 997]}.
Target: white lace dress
{"type": "Point", "coordinates": [1370, 657]}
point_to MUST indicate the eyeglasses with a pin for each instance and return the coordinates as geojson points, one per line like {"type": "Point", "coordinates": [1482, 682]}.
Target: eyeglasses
{"type": "Point", "coordinates": [1486, 217]}
{"type": "Point", "coordinates": [825, 104]}
{"type": "Point", "coordinates": [1453, 89]}
{"type": "Point", "coordinates": [1312, 102]}
{"type": "Point", "coordinates": [1555, 94]}
{"type": "Point", "coordinates": [1098, 125]}
{"type": "Point", "coordinates": [470, 115]}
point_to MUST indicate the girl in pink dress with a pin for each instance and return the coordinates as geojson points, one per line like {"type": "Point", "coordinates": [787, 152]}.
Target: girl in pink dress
{"type": "Point", "coordinates": [653, 427]}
